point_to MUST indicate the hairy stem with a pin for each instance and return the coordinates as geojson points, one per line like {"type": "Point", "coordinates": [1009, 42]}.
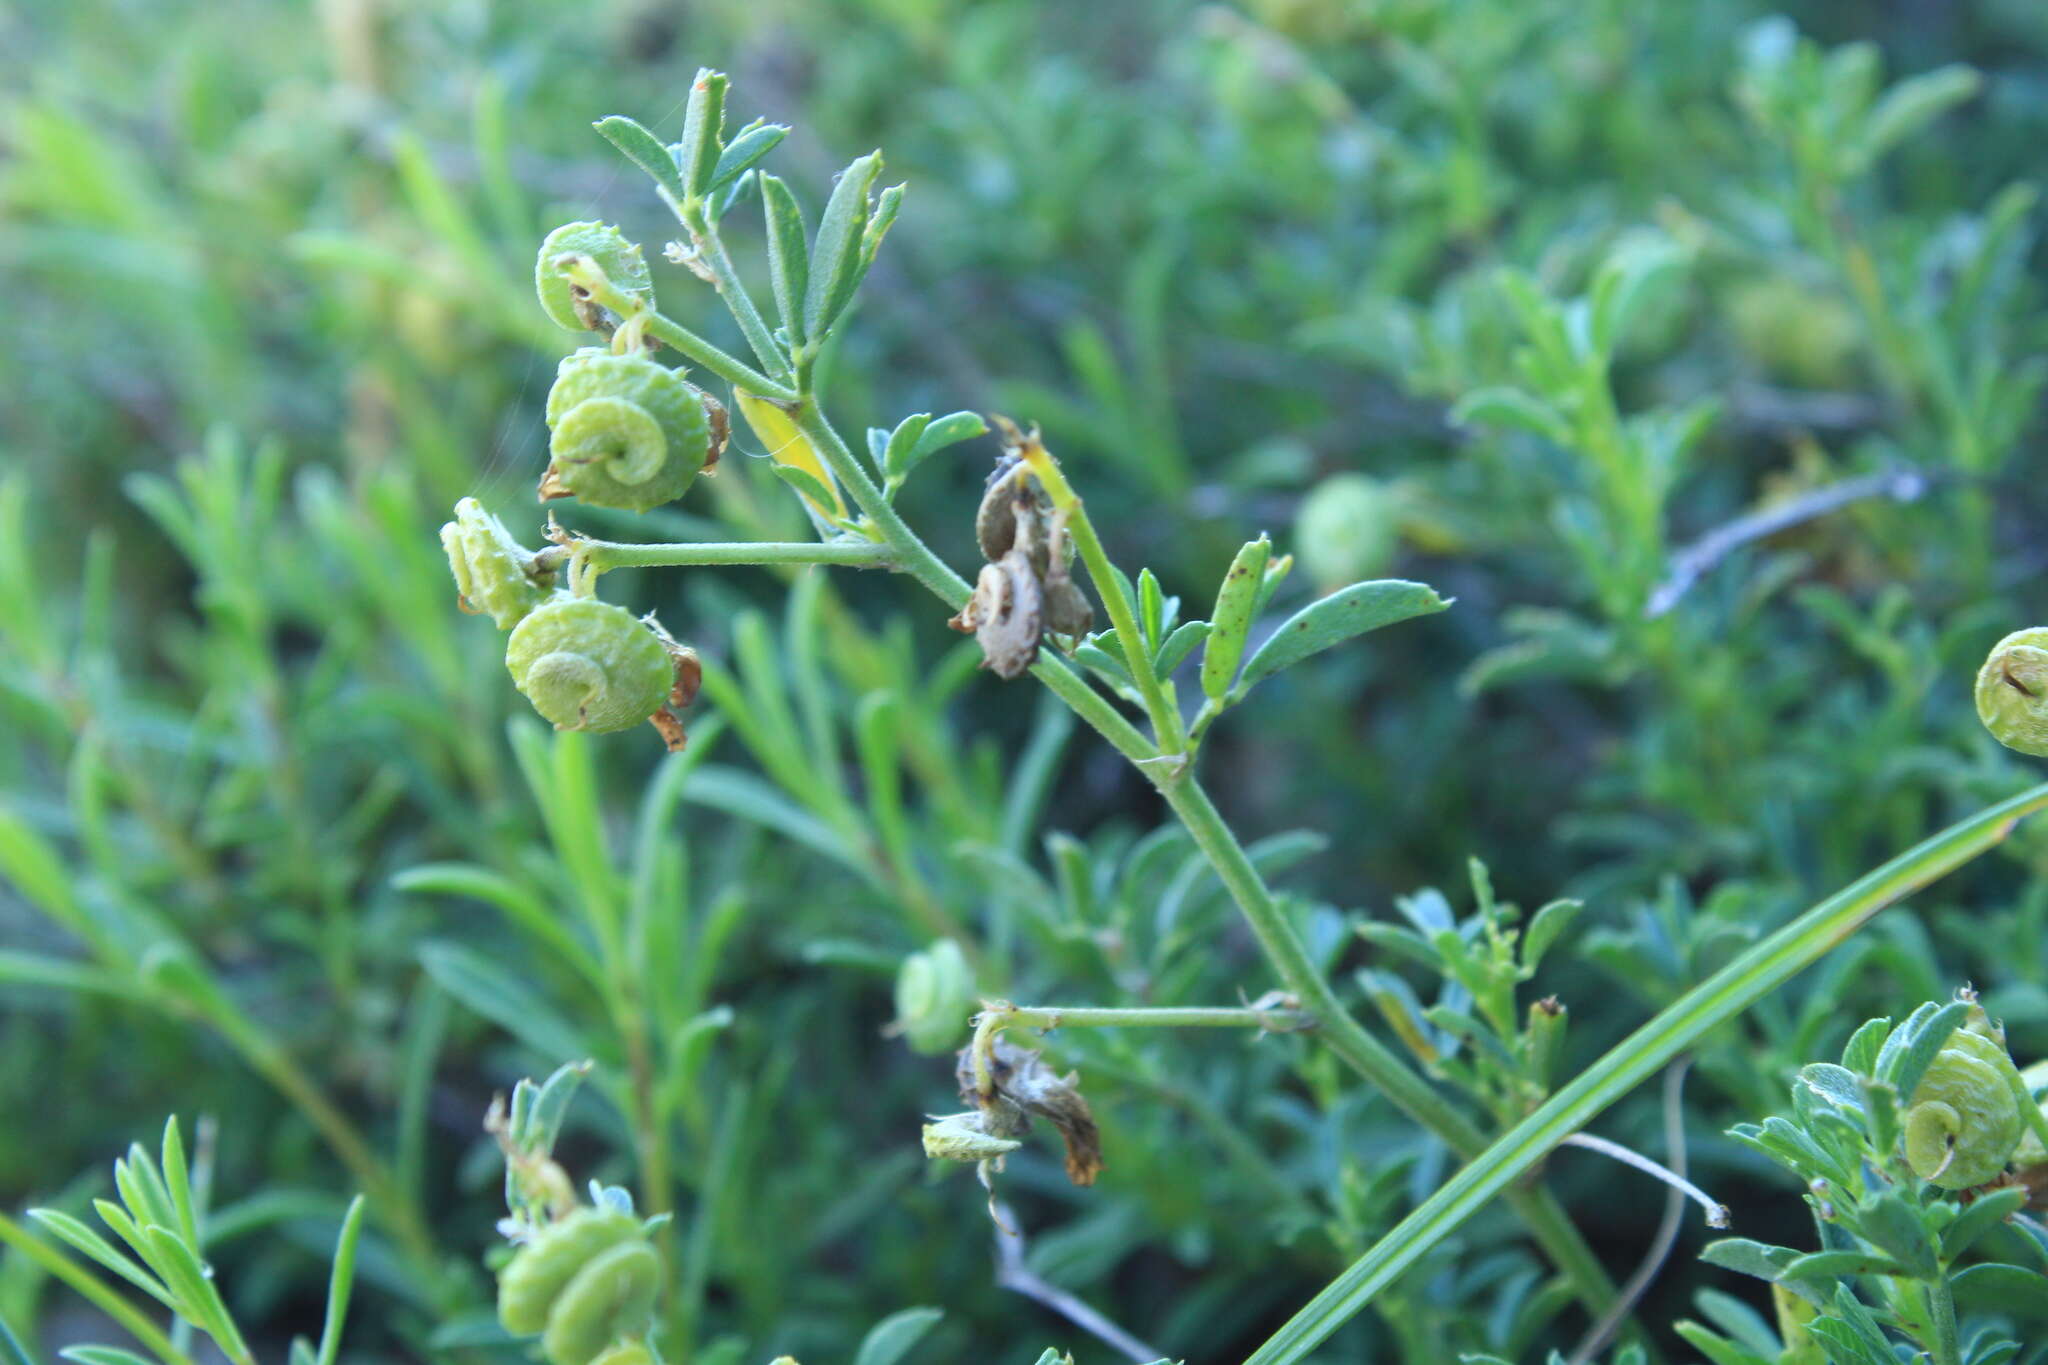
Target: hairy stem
{"type": "Point", "coordinates": [599, 555]}
{"type": "Point", "coordinates": [1283, 947]}
{"type": "Point", "coordinates": [1048, 1017]}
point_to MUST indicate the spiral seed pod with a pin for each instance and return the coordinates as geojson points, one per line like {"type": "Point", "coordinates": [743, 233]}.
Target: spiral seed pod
{"type": "Point", "coordinates": [934, 997]}
{"type": "Point", "coordinates": [588, 1285]}
{"type": "Point", "coordinates": [627, 432]}
{"type": "Point", "coordinates": [589, 665]}
{"type": "Point", "coordinates": [1961, 1123]}
{"type": "Point", "coordinates": [2012, 691]}
{"type": "Point", "coordinates": [620, 260]}
{"type": "Point", "coordinates": [493, 572]}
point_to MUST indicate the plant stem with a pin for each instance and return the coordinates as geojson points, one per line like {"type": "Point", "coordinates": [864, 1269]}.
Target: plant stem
{"type": "Point", "coordinates": [1050, 1017]}
{"type": "Point", "coordinates": [710, 246]}
{"type": "Point", "coordinates": [1067, 504]}
{"type": "Point", "coordinates": [600, 555]}
{"type": "Point", "coordinates": [89, 1287]}
{"type": "Point", "coordinates": [586, 274]}
{"type": "Point", "coordinates": [1283, 947]}
{"type": "Point", "coordinates": [1946, 1348]}
{"type": "Point", "coordinates": [1672, 1030]}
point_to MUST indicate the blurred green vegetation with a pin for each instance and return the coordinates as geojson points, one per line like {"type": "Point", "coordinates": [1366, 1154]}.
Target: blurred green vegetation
{"type": "Point", "coordinates": [1574, 285]}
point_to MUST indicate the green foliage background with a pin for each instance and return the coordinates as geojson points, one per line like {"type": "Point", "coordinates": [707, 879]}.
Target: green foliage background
{"type": "Point", "coordinates": [269, 315]}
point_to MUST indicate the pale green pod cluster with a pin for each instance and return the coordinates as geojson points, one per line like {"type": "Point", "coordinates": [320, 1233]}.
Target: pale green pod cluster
{"type": "Point", "coordinates": [2012, 691]}
{"type": "Point", "coordinates": [588, 1285]}
{"type": "Point", "coordinates": [590, 665]}
{"type": "Point", "coordinates": [493, 572]}
{"type": "Point", "coordinates": [1961, 1122]}
{"type": "Point", "coordinates": [934, 998]}
{"type": "Point", "coordinates": [1347, 530]}
{"type": "Point", "coordinates": [620, 260]}
{"type": "Point", "coordinates": [626, 431]}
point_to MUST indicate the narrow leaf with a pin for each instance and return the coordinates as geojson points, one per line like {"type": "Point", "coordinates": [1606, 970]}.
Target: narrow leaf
{"type": "Point", "coordinates": [1231, 622]}
{"type": "Point", "coordinates": [644, 150]}
{"type": "Point", "coordinates": [703, 131]}
{"type": "Point", "coordinates": [836, 256]}
{"type": "Point", "coordinates": [789, 255]}
{"type": "Point", "coordinates": [889, 1340]}
{"type": "Point", "coordinates": [1340, 616]}
{"type": "Point", "coordinates": [341, 1281]}
{"type": "Point", "coordinates": [752, 143]}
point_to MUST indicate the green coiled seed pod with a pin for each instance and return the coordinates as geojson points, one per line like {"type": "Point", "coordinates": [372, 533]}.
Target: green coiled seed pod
{"type": "Point", "coordinates": [610, 1298]}
{"type": "Point", "coordinates": [620, 260]}
{"type": "Point", "coordinates": [1961, 1123]}
{"type": "Point", "coordinates": [2012, 691]}
{"type": "Point", "coordinates": [536, 1276]}
{"type": "Point", "coordinates": [588, 1285]}
{"type": "Point", "coordinates": [934, 997]}
{"type": "Point", "coordinates": [589, 665]}
{"type": "Point", "coordinates": [493, 572]}
{"type": "Point", "coordinates": [627, 431]}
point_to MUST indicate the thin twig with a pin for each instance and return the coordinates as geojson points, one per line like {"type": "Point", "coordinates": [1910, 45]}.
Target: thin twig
{"type": "Point", "coordinates": [1667, 1227]}
{"type": "Point", "coordinates": [1689, 564]}
{"type": "Point", "coordinates": [1013, 1274]}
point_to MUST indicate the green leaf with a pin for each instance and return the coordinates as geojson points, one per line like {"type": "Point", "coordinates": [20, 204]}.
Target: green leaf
{"type": "Point", "coordinates": [805, 482]}
{"type": "Point", "coordinates": [1178, 646]}
{"type": "Point", "coordinates": [2002, 1289]}
{"type": "Point", "coordinates": [1621, 283]}
{"type": "Point", "coordinates": [1837, 1085]}
{"type": "Point", "coordinates": [1914, 103]}
{"type": "Point", "coordinates": [752, 143]}
{"type": "Point", "coordinates": [1552, 920]}
{"type": "Point", "coordinates": [889, 1340]}
{"type": "Point", "coordinates": [1897, 1228]}
{"type": "Point", "coordinates": [943, 432]}
{"type": "Point", "coordinates": [103, 1355]}
{"type": "Point", "coordinates": [1230, 623]}
{"type": "Point", "coordinates": [178, 1182]}
{"type": "Point", "coordinates": [891, 449]}
{"type": "Point", "coordinates": [1717, 1349]}
{"type": "Point", "coordinates": [887, 205]}
{"type": "Point", "coordinates": [1151, 609]}
{"type": "Point", "coordinates": [703, 131]}
{"type": "Point", "coordinates": [341, 1281]}
{"type": "Point", "coordinates": [525, 909]}
{"type": "Point", "coordinates": [836, 263]}
{"type": "Point", "coordinates": [504, 999]}
{"type": "Point", "coordinates": [1353, 611]}
{"type": "Point", "coordinates": [1506, 407]}
{"type": "Point", "coordinates": [1829, 1265]}
{"type": "Point", "coordinates": [789, 255]}
{"type": "Point", "coordinates": [99, 1249]}
{"type": "Point", "coordinates": [1984, 1214]}
{"type": "Point", "coordinates": [1925, 1037]}
{"type": "Point", "coordinates": [644, 150]}
{"type": "Point", "coordinates": [1859, 1054]}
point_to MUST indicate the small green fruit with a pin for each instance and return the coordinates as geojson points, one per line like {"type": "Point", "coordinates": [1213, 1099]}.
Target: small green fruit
{"type": "Point", "coordinates": [2012, 691]}
{"type": "Point", "coordinates": [1962, 1123]}
{"type": "Point", "coordinates": [934, 997]}
{"type": "Point", "coordinates": [620, 260]}
{"type": "Point", "coordinates": [589, 665]}
{"type": "Point", "coordinates": [1347, 530]}
{"type": "Point", "coordinates": [627, 431]}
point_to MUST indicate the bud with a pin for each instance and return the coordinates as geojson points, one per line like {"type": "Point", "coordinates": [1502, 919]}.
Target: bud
{"type": "Point", "coordinates": [494, 574]}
